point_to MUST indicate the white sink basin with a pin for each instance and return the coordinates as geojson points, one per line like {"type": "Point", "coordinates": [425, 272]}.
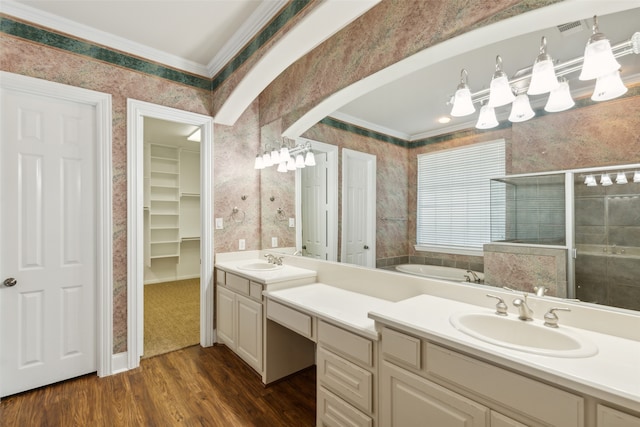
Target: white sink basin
{"type": "Point", "coordinates": [531, 337]}
{"type": "Point", "coordinates": [259, 266]}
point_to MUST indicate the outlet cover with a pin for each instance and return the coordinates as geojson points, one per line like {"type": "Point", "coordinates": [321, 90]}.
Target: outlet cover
{"type": "Point", "coordinates": [219, 224]}
{"type": "Point", "coordinates": [241, 245]}
{"type": "Point", "coordinates": [292, 222]}
{"type": "Point", "coordinates": [274, 242]}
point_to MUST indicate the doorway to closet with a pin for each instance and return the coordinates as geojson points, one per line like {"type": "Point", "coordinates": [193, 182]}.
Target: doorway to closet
{"type": "Point", "coordinates": [171, 228]}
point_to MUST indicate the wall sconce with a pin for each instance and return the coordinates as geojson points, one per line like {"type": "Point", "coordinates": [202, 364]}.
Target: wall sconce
{"type": "Point", "coordinates": [605, 179]}
{"type": "Point", "coordinates": [543, 75]}
{"type": "Point", "coordinates": [500, 90]}
{"type": "Point", "coordinates": [560, 98]}
{"type": "Point", "coordinates": [544, 78]}
{"type": "Point", "coordinates": [598, 56]}
{"type": "Point", "coordinates": [286, 158]}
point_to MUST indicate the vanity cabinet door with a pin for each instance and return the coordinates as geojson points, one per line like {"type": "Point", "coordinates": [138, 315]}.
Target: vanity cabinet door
{"type": "Point", "coordinates": [499, 420]}
{"type": "Point", "coordinates": [408, 400]}
{"type": "Point", "coordinates": [249, 327]}
{"type": "Point", "coordinates": [225, 307]}
{"type": "Point", "coordinates": [608, 417]}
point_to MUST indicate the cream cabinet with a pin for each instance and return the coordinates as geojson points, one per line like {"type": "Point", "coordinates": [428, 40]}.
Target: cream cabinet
{"type": "Point", "coordinates": [609, 417]}
{"type": "Point", "coordinates": [239, 318]}
{"type": "Point", "coordinates": [346, 378]}
{"type": "Point", "coordinates": [421, 380]}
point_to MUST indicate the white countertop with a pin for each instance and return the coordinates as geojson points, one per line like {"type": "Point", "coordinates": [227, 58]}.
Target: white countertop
{"type": "Point", "coordinates": [612, 375]}
{"type": "Point", "coordinates": [287, 272]}
{"type": "Point", "coordinates": [335, 305]}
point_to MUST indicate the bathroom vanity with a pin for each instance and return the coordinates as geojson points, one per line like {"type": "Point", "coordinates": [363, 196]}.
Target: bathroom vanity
{"type": "Point", "coordinates": [393, 351]}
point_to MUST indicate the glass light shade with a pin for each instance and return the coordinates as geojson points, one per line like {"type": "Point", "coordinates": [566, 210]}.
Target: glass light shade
{"type": "Point", "coordinates": [500, 91]}
{"type": "Point", "coordinates": [605, 180]}
{"type": "Point", "coordinates": [598, 58]}
{"type": "Point", "coordinates": [284, 154]}
{"type": "Point", "coordinates": [266, 159]}
{"type": "Point", "coordinates": [487, 118]}
{"type": "Point", "coordinates": [258, 163]}
{"type": "Point", "coordinates": [608, 87]}
{"type": "Point", "coordinates": [590, 180]}
{"type": "Point", "coordinates": [299, 161]}
{"type": "Point", "coordinates": [621, 178]}
{"type": "Point", "coordinates": [543, 77]}
{"type": "Point", "coordinates": [521, 109]}
{"type": "Point", "coordinates": [560, 98]}
{"type": "Point", "coordinates": [291, 164]}
{"type": "Point", "coordinates": [462, 104]}
{"type": "Point", "coordinates": [282, 167]}
{"type": "Point", "coordinates": [310, 159]}
{"type": "Point", "coordinates": [636, 176]}
{"type": "Point", "coordinates": [275, 156]}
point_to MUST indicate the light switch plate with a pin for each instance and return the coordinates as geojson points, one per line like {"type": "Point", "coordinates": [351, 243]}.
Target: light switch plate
{"type": "Point", "coordinates": [241, 245]}
{"type": "Point", "coordinates": [292, 222]}
{"type": "Point", "coordinates": [219, 224]}
{"type": "Point", "coordinates": [274, 242]}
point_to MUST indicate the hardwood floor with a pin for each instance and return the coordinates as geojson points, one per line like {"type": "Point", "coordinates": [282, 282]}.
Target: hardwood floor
{"type": "Point", "coordinates": [190, 387]}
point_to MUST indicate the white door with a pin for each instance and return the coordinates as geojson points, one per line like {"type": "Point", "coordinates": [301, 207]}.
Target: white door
{"type": "Point", "coordinates": [315, 209]}
{"type": "Point", "coordinates": [358, 208]}
{"type": "Point", "coordinates": [47, 230]}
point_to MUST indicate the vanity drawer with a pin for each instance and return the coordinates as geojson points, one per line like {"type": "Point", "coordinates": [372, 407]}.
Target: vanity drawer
{"type": "Point", "coordinates": [608, 417]}
{"type": "Point", "coordinates": [333, 411]}
{"type": "Point", "coordinates": [255, 291]}
{"type": "Point", "coordinates": [237, 283]}
{"type": "Point", "coordinates": [402, 348]}
{"type": "Point", "coordinates": [532, 398]}
{"type": "Point", "coordinates": [346, 379]}
{"type": "Point", "coordinates": [293, 319]}
{"type": "Point", "coordinates": [348, 344]}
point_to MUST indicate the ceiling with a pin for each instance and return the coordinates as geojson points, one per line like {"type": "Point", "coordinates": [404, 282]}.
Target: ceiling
{"type": "Point", "coordinates": [201, 36]}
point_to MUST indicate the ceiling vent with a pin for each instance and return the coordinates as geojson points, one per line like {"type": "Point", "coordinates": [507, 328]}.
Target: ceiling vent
{"type": "Point", "coordinates": [572, 28]}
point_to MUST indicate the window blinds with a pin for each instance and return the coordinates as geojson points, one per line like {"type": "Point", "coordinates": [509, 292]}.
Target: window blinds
{"type": "Point", "coordinates": [454, 195]}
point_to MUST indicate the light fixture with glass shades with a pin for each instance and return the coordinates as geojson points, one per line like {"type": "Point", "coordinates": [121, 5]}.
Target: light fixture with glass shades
{"type": "Point", "coordinates": [591, 180]}
{"type": "Point", "coordinates": [544, 77]}
{"type": "Point", "coordinates": [286, 158]}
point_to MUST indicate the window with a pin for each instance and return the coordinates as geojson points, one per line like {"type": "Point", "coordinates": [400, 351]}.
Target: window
{"type": "Point", "coordinates": [454, 197]}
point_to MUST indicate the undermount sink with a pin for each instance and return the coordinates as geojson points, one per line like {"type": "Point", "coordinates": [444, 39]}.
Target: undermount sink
{"type": "Point", "coordinates": [530, 337]}
{"type": "Point", "coordinates": [259, 266]}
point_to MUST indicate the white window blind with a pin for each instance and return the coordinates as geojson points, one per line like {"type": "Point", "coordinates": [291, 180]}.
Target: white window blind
{"type": "Point", "coordinates": [454, 195]}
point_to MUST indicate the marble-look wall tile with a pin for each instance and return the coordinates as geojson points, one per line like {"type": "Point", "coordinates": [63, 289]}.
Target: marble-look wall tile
{"type": "Point", "coordinates": [35, 60]}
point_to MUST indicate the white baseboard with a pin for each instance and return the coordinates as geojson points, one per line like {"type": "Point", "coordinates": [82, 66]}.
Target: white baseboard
{"type": "Point", "coordinates": [151, 282]}
{"type": "Point", "coordinates": [119, 363]}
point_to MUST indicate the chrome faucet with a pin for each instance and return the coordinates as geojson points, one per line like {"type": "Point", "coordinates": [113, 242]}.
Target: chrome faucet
{"type": "Point", "coordinates": [272, 259]}
{"type": "Point", "coordinates": [475, 276]}
{"type": "Point", "coordinates": [551, 318]}
{"type": "Point", "coordinates": [525, 312]}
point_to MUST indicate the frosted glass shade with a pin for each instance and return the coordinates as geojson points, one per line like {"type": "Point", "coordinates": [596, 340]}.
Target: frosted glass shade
{"type": "Point", "coordinates": [543, 77]}
{"type": "Point", "coordinates": [560, 99]}
{"type": "Point", "coordinates": [590, 180]}
{"type": "Point", "coordinates": [462, 104]}
{"type": "Point", "coordinates": [598, 59]}
{"type": "Point", "coordinates": [500, 91]}
{"type": "Point", "coordinates": [310, 159]}
{"type": "Point", "coordinates": [284, 154]}
{"type": "Point", "coordinates": [266, 159]}
{"type": "Point", "coordinates": [605, 180]}
{"type": "Point", "coordinates": [291, 164]}
{"type": "Point", "coordinates": [521, 109]}
{"type": "Point", "coordinates": [258, 163]}
{"type": "Point", "coordinates": [621, 178]}
{"type": "Point", "coordinates": [299, 161]}
{"type": "Point", "coordinates": [487, 118]}
{"type": "Point", "coordinates": [608, 87]}
{"type": "Point", "coordinates": [275, 156]}
{"type": "Point", "coordinates": [282, 167]}
{"type": "Point", "coordinates": [636, 176]}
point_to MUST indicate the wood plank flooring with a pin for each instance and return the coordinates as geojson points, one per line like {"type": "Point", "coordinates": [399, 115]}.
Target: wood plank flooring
{"type": "Point", "coordinates": [190, 387]}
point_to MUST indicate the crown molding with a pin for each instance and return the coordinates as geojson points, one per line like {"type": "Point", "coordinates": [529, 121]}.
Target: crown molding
{"type": "Point", "coordinates": [51, 21]}
{"type": "Point", "coordinates": [368, 125]}
{"type": "Point", "coordinates": [245, 33]}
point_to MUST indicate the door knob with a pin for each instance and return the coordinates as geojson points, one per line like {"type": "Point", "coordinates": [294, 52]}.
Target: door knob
{"type": "Point", "coordinates": [304, 247]}
{"type": "Point", "coordinates": [366, 246]}
{"type": "Point", "coordinates": [9, 282]}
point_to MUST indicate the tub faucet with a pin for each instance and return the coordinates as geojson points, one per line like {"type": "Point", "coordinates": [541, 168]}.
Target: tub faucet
{"type": "Point", "coordinates": [475, 276]}
{"type": "Point", "coordinates": [525, 312]}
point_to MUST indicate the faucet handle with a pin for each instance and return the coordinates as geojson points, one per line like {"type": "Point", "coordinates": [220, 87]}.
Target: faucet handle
{"type": "Point", "coordinates": [540, 290]}
{"type": "Point", "coordinates": [551, 318]}
{"type": "Point", "coordinates": [501, 307]}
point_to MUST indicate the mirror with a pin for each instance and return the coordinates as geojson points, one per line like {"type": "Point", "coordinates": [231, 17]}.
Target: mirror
{"type": "Point", "coordinates": [586, 136]}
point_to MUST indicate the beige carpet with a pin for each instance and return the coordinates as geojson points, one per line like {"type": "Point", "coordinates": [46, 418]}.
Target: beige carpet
{"type": "Point", "coordinates": [171, 316]}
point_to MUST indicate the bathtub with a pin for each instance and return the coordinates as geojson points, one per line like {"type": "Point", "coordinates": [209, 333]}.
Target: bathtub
{"type": "Point", "coordinates": [436, 272]}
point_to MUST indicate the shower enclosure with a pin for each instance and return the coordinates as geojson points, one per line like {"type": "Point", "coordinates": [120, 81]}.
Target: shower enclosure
{"type": "Point", "coordinates": [591, 217]}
